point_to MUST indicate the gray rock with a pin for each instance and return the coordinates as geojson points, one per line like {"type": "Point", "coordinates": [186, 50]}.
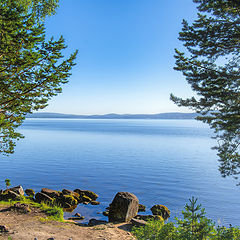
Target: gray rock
{"type": "Point", "coordinates": [93, 196]}
{"type": "Point", "coordinates": [161, 210]}
{"type": "Point", "coordinates": [148, 217]}
{"type": "Point", "coordinates": [94, 203]}
{"type": "Point", "coordinates": [94, 222]}
{"type": "Point", "coordinates": [105, 213]}
{"type": "Point", "coordinates": [141, 208]}
{"type": "Point", "coordinates": [76, 218]}
{"type": "Point", "coordinates": [51, 193]}
{"type": "Point", "coordinates": [138, 222]}
{"type": "Point", "coordinates": [30, 192]}
{"type": "Point", "coordinates": [10, 195]}
{"type": "Point", "coordinates": [42, 197]}
{"type": "Point", "coordinates": [18, 189]}
{"type": "Point", "coordinates": [123, 207]}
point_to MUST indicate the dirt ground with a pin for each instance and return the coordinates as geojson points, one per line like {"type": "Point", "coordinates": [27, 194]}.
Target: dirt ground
{"type": "Point", "coordinates": [33, 225]}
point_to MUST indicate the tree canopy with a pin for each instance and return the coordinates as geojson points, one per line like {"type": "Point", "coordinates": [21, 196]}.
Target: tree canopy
{"type": "Point", "coordinates": [32, 69]}
{"type": "Point", "coordinates": [211, 66]}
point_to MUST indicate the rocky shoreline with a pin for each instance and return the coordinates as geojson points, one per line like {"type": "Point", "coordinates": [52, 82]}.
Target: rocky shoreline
{"type": "Point", "coordinates": [124, 208]}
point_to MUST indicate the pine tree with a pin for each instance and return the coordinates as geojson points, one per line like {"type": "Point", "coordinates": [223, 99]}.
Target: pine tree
{"type": "Point", "coordinates": [211, 67]}
{"type": "Point", "coordinates": [32, 69]}
{"type": "Point", "coordinates": [195, 225]}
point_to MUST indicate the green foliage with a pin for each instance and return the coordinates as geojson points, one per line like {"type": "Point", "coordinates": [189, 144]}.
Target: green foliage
{"type": "Point", "coordinates": [212, 69]}
{"type": "Point", "coordinates": [41, 8]}
{"type": "Point", "coordinates": [32, 69]}
{"type": "Point", "coordinates": [193, 226]}
{"type": "Point", "coordinates": [7, 182]}
{"type": "Point", "coordinates": [224, 233]}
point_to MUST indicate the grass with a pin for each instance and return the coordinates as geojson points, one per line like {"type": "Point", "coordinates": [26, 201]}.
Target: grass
{"type": "Point", "coordinates": [53, 212]}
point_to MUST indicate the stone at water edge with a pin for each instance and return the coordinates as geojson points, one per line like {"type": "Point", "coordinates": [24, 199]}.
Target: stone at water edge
{"type": "Point", "coordinates": [77, 215]}
{"type": "Point", "coordinates": [93, 196]}
{"type": "Point", "coordinates": [10, 195]}
{"type": "Point", "coordinates": [123, 208]}
{"type": "Point", "coordinates": [69, 192]}
{"type": "Point", "coordinates": [30, 192]}
{"type": "Point", "coordinates": [76, 218]}
{"type": "Point", "coordinates": [42, 197]}
{"type": "Point", "coordinates": [149, 217]}
{"type": "Point", "coordinates": [94, 222]}
{"type": "Point", "coordinates": [138, 222]}
{"type": "Point", "coordinates": [94, 203]}
{"type": "Point", "coordinates": [161, 210]}
{"type": "Point", "coordinates": [105, 213]}
{"type": "Point", "coordinates": [141, 208]}
{"type": "Point", "coordinates": [18, 190]}
{"type": "Point", "coordinates": [51, 193]}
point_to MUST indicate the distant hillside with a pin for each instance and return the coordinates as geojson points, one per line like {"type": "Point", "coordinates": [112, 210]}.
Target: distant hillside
{"type": "Point", "coordinates": [173, 115]}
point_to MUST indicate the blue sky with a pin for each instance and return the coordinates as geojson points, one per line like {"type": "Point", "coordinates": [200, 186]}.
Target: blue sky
{"type": "Point", "coordinates": [125, 61]}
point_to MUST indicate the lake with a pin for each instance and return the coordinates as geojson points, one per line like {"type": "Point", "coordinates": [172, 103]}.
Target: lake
{"type": "Point", "coordinates": [160, 161]}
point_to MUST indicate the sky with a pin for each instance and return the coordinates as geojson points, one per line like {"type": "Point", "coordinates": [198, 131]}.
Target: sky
{"type": "Point", "coordinates": [125, 61]}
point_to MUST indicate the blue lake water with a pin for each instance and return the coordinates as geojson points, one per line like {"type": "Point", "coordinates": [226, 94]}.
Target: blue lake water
{"type": "Point", "coordinates": [160, 161]}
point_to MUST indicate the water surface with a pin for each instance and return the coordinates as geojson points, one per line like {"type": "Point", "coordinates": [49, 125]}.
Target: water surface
{"type": "Point", "coordinates": [160, 161]}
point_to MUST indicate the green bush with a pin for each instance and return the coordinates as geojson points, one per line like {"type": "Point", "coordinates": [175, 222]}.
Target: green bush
{"type": "Point", "coordinates": [194, 226]}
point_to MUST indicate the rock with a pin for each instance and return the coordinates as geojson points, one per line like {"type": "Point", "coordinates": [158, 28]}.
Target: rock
{"type": "Point", "coordinates": [30, 192]}
{"type": "Point", "coordinates": [106, 213]}
{"type": "Point", "coordinates": [67, 201]}
{"type": "Point", "coordinates": [18, 189]}
{"type": "Point", "coordinates": [76, 218]}
{"type": "Point", "coordinates": [93, 196]}
{"type": "Point", "coordinates": [141, 208]}
{"type": "Point", "coordinates": [77, 215]}
{"type": "Point", "coordinates": [95, 202]}
{"type": "Point", "coordinates": [42, 197]}
{"type": "Point", "coordinates": [51, 238]}
{"type": "Point", "coordinates": [161, 210]}
{"type": "Point", "coordinates": [10, 195]}
{"type": "Point", "coordinates": [138, 222]}
{"type": "Point", "coordinates": [3, 229]}
{"type": "Point", "coordinates": [21, 208]}
{"type": "Point", "coordinates": [123, 207]}
{"type": "Point", "coordinates": [67, 207]}
{"type": "Point", "coordinates": [149, 217]}
{"type": "Point", "coordinates": [94, 222]}
{"type": "Point", "coordinates": [69, 192]}
{"type": "Point", "coordinates": [51, 193]}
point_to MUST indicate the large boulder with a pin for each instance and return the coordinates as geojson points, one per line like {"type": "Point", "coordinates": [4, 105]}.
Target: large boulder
{"type": "Point", "coordinates": [161, 210]}
{"type": "Point", "coordinates": [123, 207]}
{"type": "Point", "coordinates": [42, 197]}
{"type": "Point", "coordinates": [51, 193]}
